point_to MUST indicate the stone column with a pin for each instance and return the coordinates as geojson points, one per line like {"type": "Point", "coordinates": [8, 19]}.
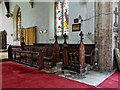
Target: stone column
{"type": "Point", "coordinates": [103, 35]}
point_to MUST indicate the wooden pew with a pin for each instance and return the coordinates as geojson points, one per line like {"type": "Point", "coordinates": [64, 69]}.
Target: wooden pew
{"type": "Point", "coordinates": [89, 50]}
{"type": "Point", "coordinates": [13, 55]}
{"type": "Point", "coordinates": [71, 59]}
{"type": "Point", "coordinates": [50, 51]}
{"type": "Point", "coordinates": [30, 58]}
{"type": "Point", "coordinates": [72, 56]}
{"type": "Point", "coordinates": [36, 53]}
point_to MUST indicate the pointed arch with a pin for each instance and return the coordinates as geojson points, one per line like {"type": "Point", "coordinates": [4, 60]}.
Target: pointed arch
{"type": "Point", "coordinates": [17, 22]}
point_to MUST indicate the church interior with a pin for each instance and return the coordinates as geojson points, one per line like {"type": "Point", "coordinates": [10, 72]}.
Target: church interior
{"type": "Point", "coordinates": [59, 44]}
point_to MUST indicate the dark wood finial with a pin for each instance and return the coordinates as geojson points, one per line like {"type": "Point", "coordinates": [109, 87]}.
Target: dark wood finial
{"type": "Point", "coordinates": [22, 36]}
{"type": "Point", "coordinates": [22, 39]}
{"type": "Point", "coordinates": [22, 43]}
{"type": "Point", "coordinates": [65, 38]}
{"type": "Point", "coordinates": [81, 36]}
{"type": "Point", "coordinates": [56, 38]}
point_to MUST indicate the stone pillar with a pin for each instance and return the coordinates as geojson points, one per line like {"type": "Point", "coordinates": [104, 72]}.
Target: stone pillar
{"type": "Point", "coordinates": [103, 35]}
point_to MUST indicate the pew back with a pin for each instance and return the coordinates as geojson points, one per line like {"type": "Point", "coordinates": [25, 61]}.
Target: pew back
{"type": "Point", "coordinates": [50, 51]}
{"type": "Point", "coordinates": [71, 58]}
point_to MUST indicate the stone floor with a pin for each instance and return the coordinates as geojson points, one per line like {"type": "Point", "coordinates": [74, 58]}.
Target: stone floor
{"type": "Point", "coordinates": [90, 77]}
{"type": "Point", "coordinates": [3, 54]}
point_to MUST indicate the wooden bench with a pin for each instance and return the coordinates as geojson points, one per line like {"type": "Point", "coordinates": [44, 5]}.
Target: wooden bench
{"type": "Point", "coordinates": [75, 56]}
{"type": "Point", "coordinates": [50, 51]}
{"type": "Point", "coordinates": [25, 57]}
{"type": "Point", "coordinates": [11, 54]}
{"type": "Point", "coordinates": [89, 52]}
{"type": "Point", "coordinates": [36, 54]}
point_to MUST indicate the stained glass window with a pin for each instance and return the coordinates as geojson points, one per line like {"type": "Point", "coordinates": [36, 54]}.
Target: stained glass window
{"type": "Point", "coordinates": [62, 13]}
{"type": "Point", "coordinates": [18, 24]}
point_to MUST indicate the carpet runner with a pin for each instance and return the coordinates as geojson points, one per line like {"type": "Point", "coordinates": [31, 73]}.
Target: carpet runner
{"type": "Point", "coordinates": [19, 76]}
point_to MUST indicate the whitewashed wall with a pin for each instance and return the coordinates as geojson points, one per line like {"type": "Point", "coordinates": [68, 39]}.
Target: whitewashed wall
{"type": "Point", "coordinates": [36, 16]}
{"type": "Point", "coordinates": [85, 10]}
{"type": "Point", "coordinates": [40, 15]}
{"type": "Point", "coordinates": [6, 23]}
{"type": "Point", "coordinates": [0, 16]}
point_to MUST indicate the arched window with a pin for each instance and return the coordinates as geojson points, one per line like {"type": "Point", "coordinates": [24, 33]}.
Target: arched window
{"type": "Point", "coordinates": [18, 24]}
{"type": "Point", "coordinates": [61, 17]}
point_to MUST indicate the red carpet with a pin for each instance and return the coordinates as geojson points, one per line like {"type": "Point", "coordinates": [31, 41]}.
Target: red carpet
{"type": "Point", "coordinates": [19, 76]}
{"type": "Point", "coordinates": [112, 82]}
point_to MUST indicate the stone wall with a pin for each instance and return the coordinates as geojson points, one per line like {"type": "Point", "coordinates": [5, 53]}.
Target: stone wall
{"type": "Point", "coordinates": [103, 35]}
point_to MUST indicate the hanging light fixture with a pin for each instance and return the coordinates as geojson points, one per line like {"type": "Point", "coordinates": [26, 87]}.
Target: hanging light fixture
{"type": "Point", "coordinates": [8, 9]}
{"type": "Point", "coordinates": [31, 3]}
